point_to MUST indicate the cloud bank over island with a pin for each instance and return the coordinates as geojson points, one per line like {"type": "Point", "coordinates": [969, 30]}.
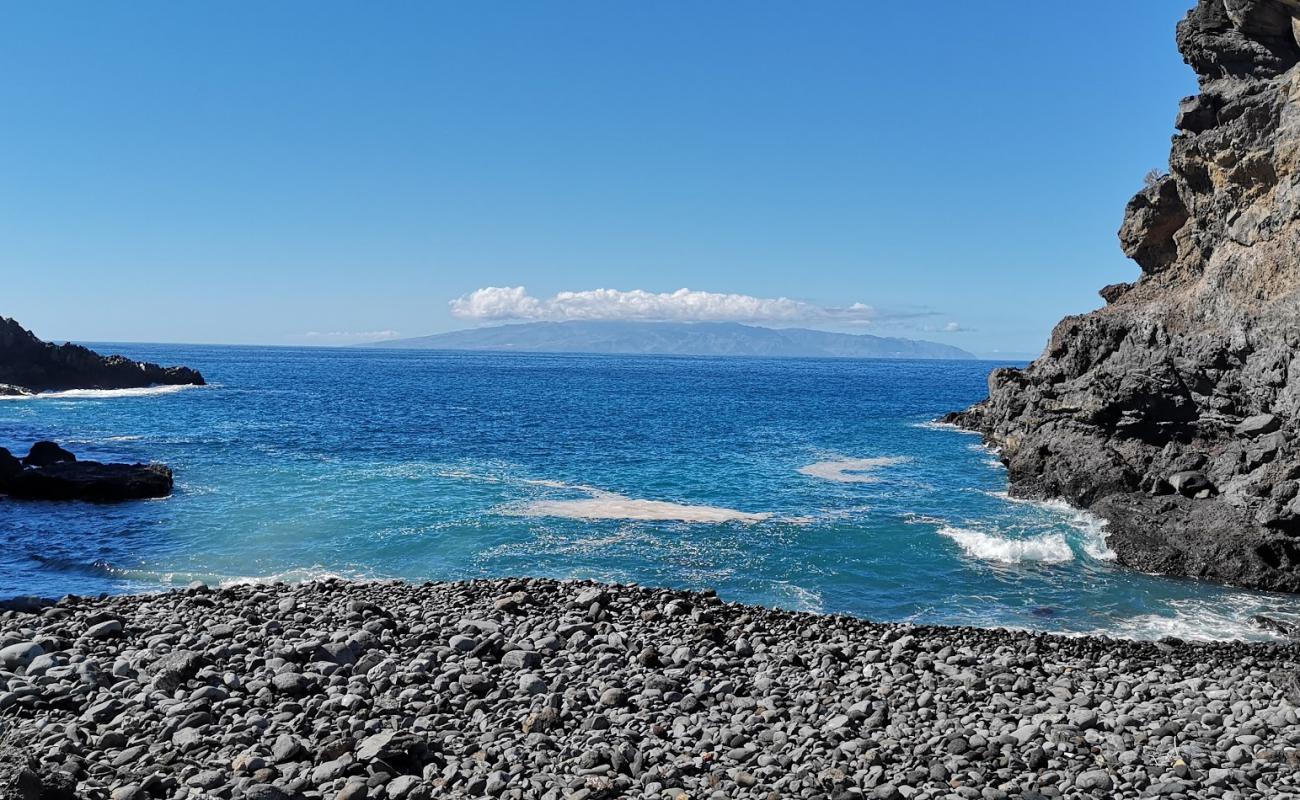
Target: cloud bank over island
{"type": "Point", "coordinates": [502, 303]}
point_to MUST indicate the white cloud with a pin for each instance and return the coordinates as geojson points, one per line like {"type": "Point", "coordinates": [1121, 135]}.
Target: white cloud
{"type": "Point", "coordinates": [684, 305]}
{"type": "Point", "coordinates": [951, 327]}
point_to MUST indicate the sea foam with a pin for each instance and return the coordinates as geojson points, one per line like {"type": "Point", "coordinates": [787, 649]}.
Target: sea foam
{"type": "Point", "coordinates": [798, 598]}
{"type": "Point", "coordinates": [1091, 526]}
{"type": "Point", "coordinates": [102, 394]}
{"type": "Point", "coordinates": [1048, 548]}
{"type": "Point", "coordinates": [1221, 619]}
{"type": "Point", "coordinates": [603, 505]}
{"type": "Point", "coordinates": [607, 505]}
{"type": "Point", "coordinates": [936, 425]}
{"type": "Point", "coordinates": [851, 470]}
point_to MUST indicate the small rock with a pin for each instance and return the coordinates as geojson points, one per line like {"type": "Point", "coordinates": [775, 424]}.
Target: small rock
{"type": "Point", "coordinates": [521, 659]}
{"type": "Point", "coordinates": [531, 684]}
{"type": "Point", "coordinates": [18, 656]}
{"type": "Point", "coordinates": [104, 630]}
{"type": "Point", "coordinates": [1096, 780]}
{"type": "Point", "coordinates": [1258, 425]}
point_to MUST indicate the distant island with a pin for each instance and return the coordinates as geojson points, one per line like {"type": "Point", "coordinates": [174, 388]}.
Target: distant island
{"type": "Point", "coordinates": [678, 339]}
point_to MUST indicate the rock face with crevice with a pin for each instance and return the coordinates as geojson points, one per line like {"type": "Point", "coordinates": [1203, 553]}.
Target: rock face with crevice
{"type": "Point", "coordinates": [1173, 411]}
{"type": "Point", "coordinates": [29, 365]}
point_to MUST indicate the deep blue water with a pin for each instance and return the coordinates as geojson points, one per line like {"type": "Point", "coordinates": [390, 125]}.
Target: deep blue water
{"type": "Point", "coordinates": [698, 472]}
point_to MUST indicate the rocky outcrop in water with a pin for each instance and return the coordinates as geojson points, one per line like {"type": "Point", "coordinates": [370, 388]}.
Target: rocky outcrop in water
{"type": "Point", "coordinates": [1173, 411]}
{"type": "Point", "coordinates": [520, 689]}
{"type": "Point", "coordinates": [29, 365]}
{"type": "Point", "coordinates": [49, 472]}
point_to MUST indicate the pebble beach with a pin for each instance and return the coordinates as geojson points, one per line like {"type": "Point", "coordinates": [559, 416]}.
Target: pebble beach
{"type": "Point", "coordinates": [544, 689]}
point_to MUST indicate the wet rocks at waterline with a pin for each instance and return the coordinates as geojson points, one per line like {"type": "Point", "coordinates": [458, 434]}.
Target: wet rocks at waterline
{"type": "Point", "coordinates": [1174, 411]}
{"type": "Point", "coordinates": [29, 365]}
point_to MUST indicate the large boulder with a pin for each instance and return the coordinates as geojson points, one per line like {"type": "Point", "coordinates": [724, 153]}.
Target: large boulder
{"type": "Point", "coordinates": [90, 480]}
{"type": "Point", "coordinates": [9, 465]}
{"type": "Point", "coordinates": [43, 454]}
{"type": "Point", "coordinates": [51, 473]}
{"type": "Point", "coordinates": [1174, 411]}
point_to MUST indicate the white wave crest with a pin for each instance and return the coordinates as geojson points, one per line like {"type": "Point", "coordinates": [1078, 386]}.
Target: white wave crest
{"type": "Point", "coordinates": [913, 518]}
{"type": "Point", "coordinates": [173, 578]}
{"type": "Point", "coordinates": [102, 394]}
{"type": "Point", "coordinates": [851, 470]}
{"type": "Point", "coordinates": [1087, 523]}
{"type": "Point", "coordinates": [607, 505]}
{"type": "Point", "coordinates": [294, 576]}
{"type": "Point", "coordinates": [936, 425]}
{"type": "Point", "coordinates": [800, 599]}
{"type": "Point", "coordinates": [1049, 548]}
{"type": "Point", "coordinates": [1222, 619]}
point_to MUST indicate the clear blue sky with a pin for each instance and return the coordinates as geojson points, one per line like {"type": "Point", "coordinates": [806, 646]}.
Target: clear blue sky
{"type": "Point", "coordinates": [253, 172]}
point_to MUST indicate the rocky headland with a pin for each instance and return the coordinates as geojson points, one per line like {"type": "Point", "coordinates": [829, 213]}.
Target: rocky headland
{"type": "Point", "coordinates": [48, 472]}
{"type": "Point", "coordinates": [1173, 411]}
{"type": "Point", "coordinates": [545, 689]}
{"type": "Point", "coordinates": [29, 365]}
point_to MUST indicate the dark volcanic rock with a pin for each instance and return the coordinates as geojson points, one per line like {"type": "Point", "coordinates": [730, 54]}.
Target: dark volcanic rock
{"type": "Point", "coordinates": [28, 364]}
{"type": "Point", "coordinates": [1172, 412]}
{"type": "Point", "coordinates": [1282, 626]}
{"type": "Point", "coordinates": [44, 454]}
{"type": "Point", "coordinates": [9, 465]}
{"type": "Point", "coordinates": [51, 473]}
{"type": "Point", "coordinates": [183, 701]}
{"type": "Point", "coordinates": [90, 480]}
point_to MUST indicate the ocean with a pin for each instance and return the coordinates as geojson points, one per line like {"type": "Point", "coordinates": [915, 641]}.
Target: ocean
{"type": "Point", "coordinates": [816, 485]}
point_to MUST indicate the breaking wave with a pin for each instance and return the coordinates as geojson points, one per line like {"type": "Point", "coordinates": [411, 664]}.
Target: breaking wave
{"type": "Point", "coordinates": [936, 425]}
{"type": "Point", "coordinates": [102, 394]}
{"type": "Point", "coordinates": [1091, 526]}
{"type": "Point", "coordinates": [797, 598]}
{"type": "Point", "coordinates": [1221, 619]}
{"type": "Point", "coordinates": [1048, 548]}
{"type": "Point", "coordinates": [165, 579]}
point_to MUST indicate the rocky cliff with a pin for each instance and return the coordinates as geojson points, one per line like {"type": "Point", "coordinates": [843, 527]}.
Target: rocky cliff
{"type": "Point", "coordinates": [1172, 412]}
{"type": "Point", "coordinates": [28, 364]}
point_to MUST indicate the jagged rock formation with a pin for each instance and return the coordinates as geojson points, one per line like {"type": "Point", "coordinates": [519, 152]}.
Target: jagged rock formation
{"type": "Point", "coordinates": [49, 472]}
{"type": "Point", "coordinates": [29, 365]}
{"type": "Point", "coordinates": [1172, 412]}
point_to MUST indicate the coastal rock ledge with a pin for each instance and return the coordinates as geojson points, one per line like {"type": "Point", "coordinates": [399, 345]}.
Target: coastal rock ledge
{"type": "Point", "coordinates": [543, 689]}
{"type": "Point", "coordinates": [1172, 412]}
{"type": "Point", "coordinates": [49, 472]}
{"type": "Point", "coordinates": [29, 365]}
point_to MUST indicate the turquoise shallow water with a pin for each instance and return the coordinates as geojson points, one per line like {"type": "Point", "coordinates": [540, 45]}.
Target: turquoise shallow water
{"type": "Point", "coordinates": [819, 485]}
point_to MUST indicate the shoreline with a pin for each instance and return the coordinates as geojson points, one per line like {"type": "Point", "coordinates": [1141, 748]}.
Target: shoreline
{"type": "Point", "coordinates": [540, 688]}
{"type": "Point", "coordinates": [1278, 630]}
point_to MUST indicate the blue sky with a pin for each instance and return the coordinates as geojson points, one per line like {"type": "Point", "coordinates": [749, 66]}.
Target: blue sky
{"type": "Point", "coordinates": [323, 172]}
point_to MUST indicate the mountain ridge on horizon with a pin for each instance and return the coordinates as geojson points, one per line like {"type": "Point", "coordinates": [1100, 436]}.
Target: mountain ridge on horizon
{"type": "Point", "coordinates": [675, 338]}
